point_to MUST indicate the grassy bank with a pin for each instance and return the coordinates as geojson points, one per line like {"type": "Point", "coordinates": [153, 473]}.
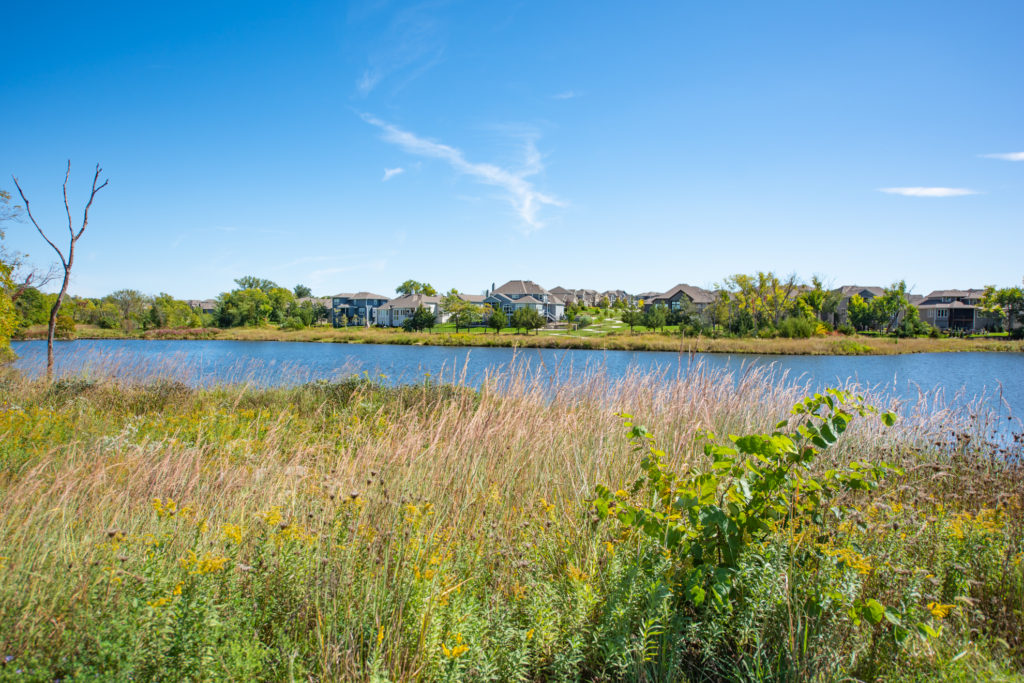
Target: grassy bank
{"type": "Point", "coordinates": [835, 345]}
{"type": "Point", "coordinates": [353, 532]}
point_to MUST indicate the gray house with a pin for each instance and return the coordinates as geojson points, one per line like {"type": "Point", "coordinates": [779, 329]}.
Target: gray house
{"type": "Point", "coordinates": [360, 306]}
{"type": "Point", "coordinates": [682, 296]}
{"type": "Point", "coordinates": [846, 293]}
{"type": "Point", "coordinates": [516, 294]}
{"type": "Point", "coordinates": [955, 309]}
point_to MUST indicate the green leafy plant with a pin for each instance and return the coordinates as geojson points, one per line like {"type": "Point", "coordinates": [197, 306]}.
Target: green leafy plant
{"type": "Point", "coordinates": [706, 517]}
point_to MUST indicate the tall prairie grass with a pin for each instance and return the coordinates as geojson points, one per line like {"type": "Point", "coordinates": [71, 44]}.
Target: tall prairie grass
{"type": "Point", "coordinates": [351, 531]}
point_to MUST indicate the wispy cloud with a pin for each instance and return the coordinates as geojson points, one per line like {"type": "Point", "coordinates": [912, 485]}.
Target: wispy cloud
{"type": "Point", "coordinates": [928, 191]}
{"type": "Point", "coordinates": [413, 43]}
{"type": "Point", "coordinates": [390, 173]}
{"type": "Point", "coordinates": [526, 199]}
{"type": "Point", "coordinates": [566, 95]}
{"type": "Point", "coordinates": [1006, 156]}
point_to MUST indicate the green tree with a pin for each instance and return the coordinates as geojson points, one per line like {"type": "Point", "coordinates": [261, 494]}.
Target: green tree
{"type": "Point", "coordinates": [891, 306]}
{"type": "Point", "coordinates": [252, 282]}
{"type": "Point", "coordinates": [633, 314]}
{"type": "Point", "coordinates": [460, 312]}
{"type": "Point", "coordinates": [302, 292]}
{"type": "Point", "coordinates": [656, 317]}
{"type": "Point", "coordinates": [421, 319]}
{"type": "Point", "coordinates": [526, 319]}
{"type": "Point", "coordinates": [859, 313]}
{"type": "Point", "coordinates": [414, 287]}
{"type": "Point", "coordinates": [1007, 302]}
{"type": "Point", "coordinates": [131, 303]}
{"type": "Point", "coordinates": [497, 321]}
{"type": "Point", "coordinates": [8, 314]}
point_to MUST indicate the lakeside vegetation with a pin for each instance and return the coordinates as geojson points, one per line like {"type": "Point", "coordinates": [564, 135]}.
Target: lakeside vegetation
{"type": "Point", "coordinates": [606, 337]}
{"type": "Point", "coordinates": [350, 531]}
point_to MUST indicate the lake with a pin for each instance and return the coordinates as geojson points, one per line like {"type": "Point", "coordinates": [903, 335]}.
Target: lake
{"type": "Point", "coordinates": [997, 379]}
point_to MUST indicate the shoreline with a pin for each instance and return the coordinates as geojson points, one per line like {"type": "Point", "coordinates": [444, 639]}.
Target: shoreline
{"type": "Point", "coordinates": [832, 345]}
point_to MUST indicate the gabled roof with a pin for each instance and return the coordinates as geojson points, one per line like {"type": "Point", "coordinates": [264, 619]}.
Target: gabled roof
{"type": "Point", "coordinates": [367, 295]}
{"type": "Point", "coordinates": [520, 287]}
{"type": "Point", "coordinates": [965, 293]}
{"type": "Point", "coordinates": [412, 301]}
{"type": "Point", "coordinates": [473, 298]}
{"type": "Point", "coordinates": [560, 291]}
{"type": "Point", "coordinates": [528, 300]}
{"type": "Point", "coordinates": [850, 290]}
{"type": "Point", "coordinates": [695, 294]}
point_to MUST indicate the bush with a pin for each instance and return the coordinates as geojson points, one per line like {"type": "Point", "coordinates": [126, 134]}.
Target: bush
{"type": "Point", "coordinates": [583, 321]}
{"type": "Point", "coordinates": [293, 323]}
{"type": "Point", "coordinates": [847, 329]}
{"type": "Point", "coordinates": [797, 328]}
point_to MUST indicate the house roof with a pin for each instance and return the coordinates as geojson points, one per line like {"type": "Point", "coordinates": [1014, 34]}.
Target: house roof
{"type": "Point", "coordinates": [363, 295]}
{"type": "Point", "coordinates": [520, 287]}
{"type": "Point", "coordinates": [560, 291]}
{"type": "Point", "coordinates": [695, 294]}
{"type": "Point", "coordinates": [412, 301]}
{"type": "Point", "coordinates": [473, 298]}
{"type": "Point", "coordinates": [528, 300]}
{"type": "Point", "coordinates": [965, 293]}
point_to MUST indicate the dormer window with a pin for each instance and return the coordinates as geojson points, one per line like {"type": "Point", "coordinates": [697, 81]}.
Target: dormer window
{"type": "Point", "coordinates": [946, 299]}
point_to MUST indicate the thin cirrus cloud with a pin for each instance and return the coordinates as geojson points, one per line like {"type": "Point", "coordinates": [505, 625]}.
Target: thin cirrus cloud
{"type": "Point", "coordinates": [928, 191]}
{"type": "Point", "coordinates": [565, 95]}
{"type": "Point", "coordinates": [523, 196]}
{"type": "Point", "coordinates": [1006, 156]}
{"type": "Point", "coordinates": [390, 173]}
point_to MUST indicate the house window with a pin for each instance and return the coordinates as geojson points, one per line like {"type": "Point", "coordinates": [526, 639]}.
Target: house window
{"type": "Point", "coordinates": [942, 313]}
{"type": "Point", "coordinates": [946, 299]}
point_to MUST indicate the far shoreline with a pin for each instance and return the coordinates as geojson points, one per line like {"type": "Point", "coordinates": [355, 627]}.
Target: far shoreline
{"type": "Point", "coordinates": [829, 345]}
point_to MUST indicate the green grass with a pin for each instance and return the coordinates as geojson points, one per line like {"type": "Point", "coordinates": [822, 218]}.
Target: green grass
{"type": "Point", "coordinates": [355, 532]}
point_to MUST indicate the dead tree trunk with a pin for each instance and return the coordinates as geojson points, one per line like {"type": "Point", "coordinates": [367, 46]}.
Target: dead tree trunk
{"type": "Point", "coordinates": [69, 260]}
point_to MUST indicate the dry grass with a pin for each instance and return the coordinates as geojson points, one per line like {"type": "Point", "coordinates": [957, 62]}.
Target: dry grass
{"type": "Point", "coordinates": [84, 459]}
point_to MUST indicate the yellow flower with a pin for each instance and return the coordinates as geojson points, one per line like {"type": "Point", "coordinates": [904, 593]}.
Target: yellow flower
{"type": "Point", "coordinates": [622, 495]}
{"type": "Point", "coordinates": [529, 634]}
{"type": "Point", "coordinates": [177, 588]}
{"type": "Point", "coordinates": [272, 516]}
{"type": "Point", "coordinates": [609, 547]}
{"type": "Point", "coordinates": [232, 532]}
{"type": "Point", "coordinates": [456, 650]}
{"type": "Point", "coordinates": [380, 636]}
{"type": "Point", "coordinates": [938, 610]}
{"type": "Point", "coordinates": [160, 602]}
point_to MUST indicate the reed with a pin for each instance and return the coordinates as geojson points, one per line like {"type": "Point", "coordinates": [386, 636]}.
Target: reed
{"type": "Point", "coordinates": [348, 530]}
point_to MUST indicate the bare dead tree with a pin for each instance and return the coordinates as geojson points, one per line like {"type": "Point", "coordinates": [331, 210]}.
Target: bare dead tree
{"type": "Point", "coordinates": [65, 261]}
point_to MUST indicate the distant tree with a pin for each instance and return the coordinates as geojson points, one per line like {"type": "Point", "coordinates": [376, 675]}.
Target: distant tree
{"type": "Point", "coordinates": [859, 313]}
{"type": "Point", "coordinates": [131, 303]}
{"type": "Point", "coordinates": [604, 302]}
{"type": "Point", "coordinates": [633, 314]}
{"type": "Point", "coordinates": [421, 319]}
{"type": "Point", "coordinates": [1007, 302]}
{"type": "Point", "coordinates": [497, 321]}
{"type": "Point", "coordinates": [460, 312]}
{"type": "Point", "coordinates": [66, 260]}
{"type": "Point", "coordinates": [8, 314]}
{"type": "Point", "coordinates": [302, 292]}
{"type": "Point", "coordinates": [526, 319]}
{"type": "Point", "coordinates": [414, 287]}
{"type": "Point", "coordinates": [656, 317]}
{"type": "Point", "coordinates": [891, 306]}
{"type": "Point", "coordinates": [251, 282]}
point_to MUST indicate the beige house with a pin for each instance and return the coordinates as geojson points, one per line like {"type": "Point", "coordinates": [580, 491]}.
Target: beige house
{"type": "Point", "coordinates": [955, 309]}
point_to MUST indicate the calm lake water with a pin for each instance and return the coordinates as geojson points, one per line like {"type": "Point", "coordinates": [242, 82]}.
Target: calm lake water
{"type": "Point", "coordinates": [995, 378]}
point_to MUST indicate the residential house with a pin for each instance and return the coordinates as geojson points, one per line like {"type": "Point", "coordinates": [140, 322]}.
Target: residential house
{"type": "Point", "coordinates": [614, 295]}
{"type": "Point", "coordinates": [516, 294]}
{"type": "Point", "coordinates": [397, 311]}
{"type": "Point", "coordinates": [206, 306]}
{"type": "Point", "coordinates": [681, 297]}
{"type": "Point", "coordinates": [360, 306]}
{"type": "Point", "coordinates": [846, 293]}
{"type": "Point", "coordinates": [583, 297]}
{"type": "Point", "coordinates": [955, 309]}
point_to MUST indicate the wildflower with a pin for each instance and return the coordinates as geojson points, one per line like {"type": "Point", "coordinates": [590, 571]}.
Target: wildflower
{"type": "Point", "coordinates": [210, 563]}
{"type": "Point", "coordinates": [380, 635]}
{"type": "Point", "coordinates": [529, 634]}
{"type": "Point", "coordinates": [272, 516]}
{"type": "Point", "coordinates": [457, 650]}
{"type": "Point", "coordinates": [159, 602]}
{"type": "Point", "coordinates": [938, 610]}
{"type": "Point", "coordinates": [609, 547]}
{"type": "Point", "coordinates": [232, 532]}
{"type": "Point", "coordinates": [575, 574]}
{"type": "Point", "coordinates": [177, 588]}
{"type": "Point", "coordinates": [621, 495]}
{"type": "Point", "coordinates": [164, 508]}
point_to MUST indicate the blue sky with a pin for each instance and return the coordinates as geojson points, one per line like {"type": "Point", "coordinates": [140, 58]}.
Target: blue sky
{"type": "Point", "coordinates": [351, 146]}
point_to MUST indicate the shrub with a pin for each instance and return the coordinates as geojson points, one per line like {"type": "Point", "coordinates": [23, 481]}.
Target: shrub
{"type": "Point", "coordinates": [847, 329]}
{"type": "Point", "coordinates": [797, 328]}
{"type": "Point", "coordinates": [293, 323]}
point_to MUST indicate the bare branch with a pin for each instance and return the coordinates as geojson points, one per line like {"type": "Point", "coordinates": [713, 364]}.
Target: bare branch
{"type": "Point", "coordinates": [67, 209]}
{"type": "Point", "coordinates": [92, 196]}
{"type": "Point", "coordinates": [28, 210]}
